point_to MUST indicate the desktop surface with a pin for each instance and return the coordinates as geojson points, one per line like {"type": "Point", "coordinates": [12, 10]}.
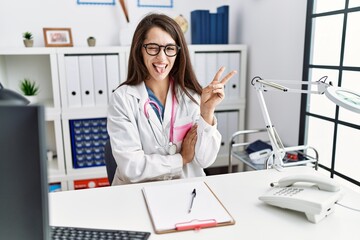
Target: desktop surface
{"type": "Point", "coordinates": [123, 207]}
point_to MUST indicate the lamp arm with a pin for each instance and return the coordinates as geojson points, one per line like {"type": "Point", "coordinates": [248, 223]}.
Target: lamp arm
{"type": "Point", "coordinates": [276, 85]}
{"type": "Point", "coordinates": [261, 85]}
{"type": "Point", "coordinates": [276, 143]}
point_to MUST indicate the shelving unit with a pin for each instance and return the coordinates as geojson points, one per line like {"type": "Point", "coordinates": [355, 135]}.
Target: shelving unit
{"type": "Point", "coordinates": [51, 69]}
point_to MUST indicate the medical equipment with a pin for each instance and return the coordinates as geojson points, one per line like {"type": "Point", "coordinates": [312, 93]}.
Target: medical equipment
{"type": "Point", "coordinates": [170, 147]}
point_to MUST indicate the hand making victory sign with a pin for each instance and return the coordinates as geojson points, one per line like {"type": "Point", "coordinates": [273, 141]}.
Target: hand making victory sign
{"type": "Point", "coordinates": [213, 94]}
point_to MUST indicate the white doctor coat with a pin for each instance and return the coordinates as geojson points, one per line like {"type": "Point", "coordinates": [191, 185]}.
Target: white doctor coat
{"type": "Point", "coordinates": [139, 155]}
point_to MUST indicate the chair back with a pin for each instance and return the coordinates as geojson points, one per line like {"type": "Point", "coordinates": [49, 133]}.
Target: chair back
{"type": "Point", "coordinates": [110, 162]}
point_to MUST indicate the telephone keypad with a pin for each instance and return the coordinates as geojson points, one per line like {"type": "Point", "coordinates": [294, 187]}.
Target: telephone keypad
{"type": "Point", "coordinates": [288, 191]}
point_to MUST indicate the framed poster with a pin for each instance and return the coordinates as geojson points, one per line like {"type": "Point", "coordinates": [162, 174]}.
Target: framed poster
{"type": "Point", "coordinates": [97, 2]}
{"type": "Point", "coordinates": [156, 3]}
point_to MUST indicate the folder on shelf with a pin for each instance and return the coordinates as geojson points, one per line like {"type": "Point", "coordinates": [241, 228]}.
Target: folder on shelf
{"type": "Point", "coordinates": [223, 60]}
{"type": "Point", "coordinates": [200, 68]}
{"type": "Point", "coordinates": [100, 83]}
{"type": "Point", "coordinates": [86, 81]}
{"type": "Point", "coordinates": [72, 81]}
{"type": "Point", "coordinates": [168, 207]}
{"type": "Point", "coordinates": [211, 66]}
{"type": "Point", "coordinates": [234, 83]}
{"type": "Point", "coordinates": [113, 75]}
{"type": "Point", "coordinates": [223, 24]}
{"type": "Point", "coordinates": [222, 121]}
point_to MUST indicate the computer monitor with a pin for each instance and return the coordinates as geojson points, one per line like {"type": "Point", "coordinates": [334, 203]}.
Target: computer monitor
{"type": "Point", "coordinates": [23, 173]}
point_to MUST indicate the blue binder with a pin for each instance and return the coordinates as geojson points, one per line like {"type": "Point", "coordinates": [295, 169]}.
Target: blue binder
{"type": "Point", "coordinates": [223, 21]}
{"type": "Point", "coordinates": [200, 27]}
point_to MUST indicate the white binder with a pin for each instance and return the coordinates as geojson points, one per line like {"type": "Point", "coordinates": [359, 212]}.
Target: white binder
{"type": "Point", "coordinates": [232, 124]}
{"type": "Point", "coordinates": [86, 81]}
{"type": "Point", "coordinates": [211, 67]}
{"type": "Point", "coordinates": [100, 82]}
{"type": "Point", "coordinates": [234, 82]}
{"type": "Point", "coordinates": [112, 70]}
{"type": "Point", "coordinates": [123, 63]}
{"type": "Point", "coordinates": [222, 127]}
{"type": "Point", "coordinates": [223, 61]}
{"type": "Point", "coordinates": [200, 68]}
{"type": "Point", "coordinates": [73, 91]}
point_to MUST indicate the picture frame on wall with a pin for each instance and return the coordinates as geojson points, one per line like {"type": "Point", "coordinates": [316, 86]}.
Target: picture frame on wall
{"type": "Point", "coordinates": [58, 37]}
{"type": "Point", "coordinates": [156, 3]}
{"type": "Point", "coordinates": [96, 2]}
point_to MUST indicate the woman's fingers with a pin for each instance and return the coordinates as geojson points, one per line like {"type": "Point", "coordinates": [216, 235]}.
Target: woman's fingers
{"type": "Point", "coordinates": [225, 79]}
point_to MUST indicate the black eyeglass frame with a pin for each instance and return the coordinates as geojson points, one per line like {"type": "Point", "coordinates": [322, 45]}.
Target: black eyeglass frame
{"type": "Point", "coordinates": [162, 46]}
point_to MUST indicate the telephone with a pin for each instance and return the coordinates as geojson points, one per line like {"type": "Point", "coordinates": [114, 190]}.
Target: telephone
{"type": "Point", "coordinates": [313, 195]}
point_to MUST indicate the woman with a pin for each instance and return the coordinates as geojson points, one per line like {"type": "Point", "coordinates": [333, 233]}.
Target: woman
{"type": "Point", "coordinates": [160, 121]}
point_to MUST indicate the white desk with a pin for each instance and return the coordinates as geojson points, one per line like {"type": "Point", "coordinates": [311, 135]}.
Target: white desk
{"type": "Point", "coordinates": [123, 207]}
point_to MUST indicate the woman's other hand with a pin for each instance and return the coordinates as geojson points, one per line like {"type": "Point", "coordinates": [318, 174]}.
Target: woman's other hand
{"type": "Point", "coordinates": [188, 145]}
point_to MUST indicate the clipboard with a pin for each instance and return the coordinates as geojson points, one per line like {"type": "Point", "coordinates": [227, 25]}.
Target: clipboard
{"type": "Point", "coordinates": [168, 206]}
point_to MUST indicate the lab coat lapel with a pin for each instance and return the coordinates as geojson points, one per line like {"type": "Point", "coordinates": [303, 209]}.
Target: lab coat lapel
{"type": "Point", "coordinates": [168, 107]}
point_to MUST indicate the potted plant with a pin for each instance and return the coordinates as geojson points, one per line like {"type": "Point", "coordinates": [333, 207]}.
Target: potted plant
{"type": "Point", "coordinates": [28, 39]}
{"type": "Point", "coordinates": [29, 89]}
{"type": "Point", "coordinates": [91, 41]}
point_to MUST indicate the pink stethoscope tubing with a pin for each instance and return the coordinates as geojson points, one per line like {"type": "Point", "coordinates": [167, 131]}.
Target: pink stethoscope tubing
{"type": "Point", "coordinates": [172, 119]}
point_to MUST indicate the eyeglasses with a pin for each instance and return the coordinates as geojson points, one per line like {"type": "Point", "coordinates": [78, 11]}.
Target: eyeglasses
{"type": "Point", "coordinates": [153, 49]}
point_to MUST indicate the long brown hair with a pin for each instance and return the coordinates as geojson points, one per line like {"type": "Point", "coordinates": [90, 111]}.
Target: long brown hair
{"type": "Point", "coordinates": [182, 71]}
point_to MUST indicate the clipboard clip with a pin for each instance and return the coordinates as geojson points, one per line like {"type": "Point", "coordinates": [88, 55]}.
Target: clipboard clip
{"type": "Point", "coordinates": [195, 224]}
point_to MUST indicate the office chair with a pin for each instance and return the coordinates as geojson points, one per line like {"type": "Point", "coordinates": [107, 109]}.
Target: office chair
{"type": "Point", "coordinates": [109, 162]}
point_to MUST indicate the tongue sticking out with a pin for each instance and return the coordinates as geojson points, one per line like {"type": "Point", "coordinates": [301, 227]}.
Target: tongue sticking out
{"type": "Point", "coordinates": [160, 68]}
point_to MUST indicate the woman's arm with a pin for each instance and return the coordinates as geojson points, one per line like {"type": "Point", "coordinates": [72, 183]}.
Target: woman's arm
{"type": "Point", "coordinates": [134, 165]}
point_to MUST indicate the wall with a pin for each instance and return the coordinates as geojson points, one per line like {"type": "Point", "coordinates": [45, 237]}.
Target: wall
{"type": "Point", "coordinates": [273, 30]}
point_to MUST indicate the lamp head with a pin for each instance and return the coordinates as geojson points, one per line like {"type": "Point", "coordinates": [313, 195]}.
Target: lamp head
{"type": "Point", "coordinates": [344, 98]}
{"type": "Point", "coordinates": [10, 97]}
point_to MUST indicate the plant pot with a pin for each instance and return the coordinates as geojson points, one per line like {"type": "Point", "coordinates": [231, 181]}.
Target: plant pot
{"type": "Point", "coordinates": [28, 43]}
{"type": "Point", "coordinates": [91, 42]}
{"type": "Point", "coordinates": [33, 99]}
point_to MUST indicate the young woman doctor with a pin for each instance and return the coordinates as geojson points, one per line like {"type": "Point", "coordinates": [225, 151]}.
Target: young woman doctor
{"type": "Point", "coordinates": [160, 121]}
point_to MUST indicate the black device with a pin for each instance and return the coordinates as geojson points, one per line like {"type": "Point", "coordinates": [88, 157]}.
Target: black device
{"type": "Point", "coordinates": [23, 173]}
{"type": "Point", "coordinates": [24, 209]}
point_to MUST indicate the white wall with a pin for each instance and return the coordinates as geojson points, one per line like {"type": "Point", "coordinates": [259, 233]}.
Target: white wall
{"type": "Point", "coordinates": [273, 30]}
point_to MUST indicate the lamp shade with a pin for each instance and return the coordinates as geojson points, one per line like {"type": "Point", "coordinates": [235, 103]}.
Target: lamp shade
{"type": "Point", "coordinates": [344, 98]}
{"type": "Point", "coordinates": [10, 97]}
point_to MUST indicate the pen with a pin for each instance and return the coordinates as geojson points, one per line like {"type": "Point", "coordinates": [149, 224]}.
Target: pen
{"type": "Point", "coordinates": [193, 195]}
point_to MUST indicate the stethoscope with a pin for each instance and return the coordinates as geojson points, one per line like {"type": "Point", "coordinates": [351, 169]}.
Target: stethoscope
{"type": "Point", "coordinates": [170, 147]}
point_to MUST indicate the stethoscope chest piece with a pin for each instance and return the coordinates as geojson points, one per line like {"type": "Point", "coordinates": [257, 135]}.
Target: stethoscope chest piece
{"type": "Point", "coordinates": [171, 148]}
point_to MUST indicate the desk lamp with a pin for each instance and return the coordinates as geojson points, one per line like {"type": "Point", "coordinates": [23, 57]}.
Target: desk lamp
{"type": "Point", "coordinates": [10, 97]}
{"type": "Point", "coordinates": [342, 97]}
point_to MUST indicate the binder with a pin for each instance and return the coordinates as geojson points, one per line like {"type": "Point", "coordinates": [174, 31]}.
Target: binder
{"type": "Point", "coordinates": [123, 62]}
{"type": "Point", "coordinates": [222, 122]}
{"type": "Point", "coordinates": [223, 60]}
{"type": "Point", "coordinates": [200, 68]}
{"type": "Point", "coordinates": [211, 67]}
{"type": "Point", "coordinates": [73, 92]}
{"type": "Point", "coordinates": [196, 23]}
{"type": "Point", "coordinates": [213, 28]}
{"type": "Point", "coordinates": [232, 124]}
{"type": "Point", "coordinates": [100, 83]}
{"type": "Point", "coordinates": [223, 12]}
{"type": "Point", "coordinates": [168, 205]}
{"type": "Point", "coordinates": [86, 81]}
{"type": "Point", "coordinates": [234, 82]}
{"type": "Point", "coordinates": [113, 75]}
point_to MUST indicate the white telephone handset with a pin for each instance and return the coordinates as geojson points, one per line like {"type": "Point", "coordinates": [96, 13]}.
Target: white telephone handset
{"type": "Point", "coordinates": [315, 196]}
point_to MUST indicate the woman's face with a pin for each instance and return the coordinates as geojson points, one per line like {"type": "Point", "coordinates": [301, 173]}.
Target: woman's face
{"type": "Point", "coordinates": [160, 65]}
